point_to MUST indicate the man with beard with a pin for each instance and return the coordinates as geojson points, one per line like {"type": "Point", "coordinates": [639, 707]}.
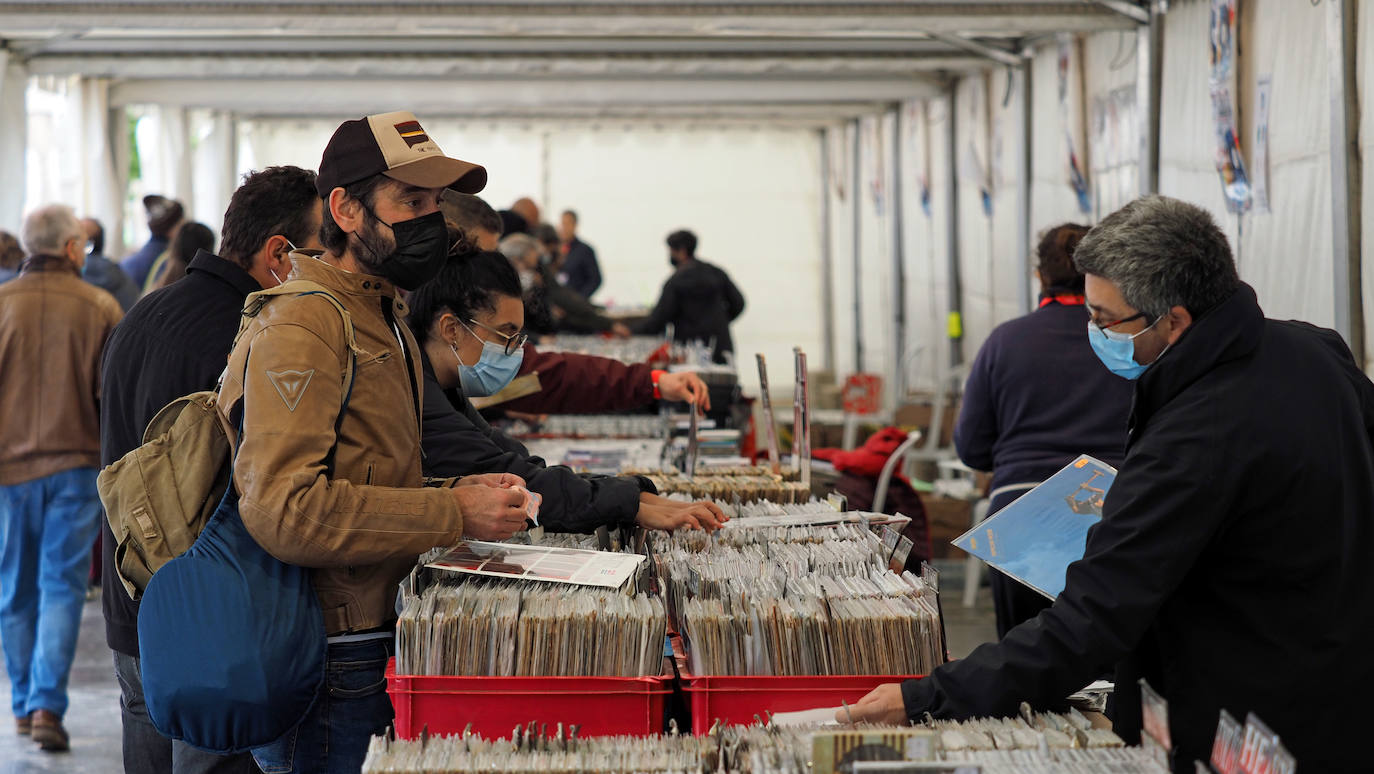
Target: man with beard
{"type": "Point", "coordinates": [343, 494]}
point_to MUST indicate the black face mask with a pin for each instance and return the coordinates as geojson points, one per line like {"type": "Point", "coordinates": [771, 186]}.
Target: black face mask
{"type": "Point", "coordinates": [420, 252]}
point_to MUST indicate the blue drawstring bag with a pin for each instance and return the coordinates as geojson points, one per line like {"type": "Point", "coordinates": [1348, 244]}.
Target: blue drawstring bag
{"type": "Point", "coordinates": [231, 639]}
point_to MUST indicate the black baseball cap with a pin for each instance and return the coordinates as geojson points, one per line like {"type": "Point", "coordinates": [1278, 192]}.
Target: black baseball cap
{"type": "Point", "coordinates": [395, 145]}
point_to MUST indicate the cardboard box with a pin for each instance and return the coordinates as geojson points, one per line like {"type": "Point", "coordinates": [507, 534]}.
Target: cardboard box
{"type": "Point", "coordinates": [948, 519]}
{"type": "Point", "coordinates": [919, 413]}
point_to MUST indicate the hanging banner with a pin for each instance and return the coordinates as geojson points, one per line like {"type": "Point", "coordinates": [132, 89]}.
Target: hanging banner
{"type": "Point", "coordinates": [972, 167]}
{"type": "Point", "coordinates": [1076, 178]}
{"type": "Point", "coordinates": [919, 137]}
{"type": "Point", "coordinates": [838, 148]}
{"type": "Point", "coordinates": [874, 161]}
{"type": "Point", "coordinates": [1235, 184]}
{"type": "Point", "coordinates": [1266, 89]}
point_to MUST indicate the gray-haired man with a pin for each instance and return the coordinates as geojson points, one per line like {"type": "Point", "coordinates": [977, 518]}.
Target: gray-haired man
{"type": "Point", "coordinates": [1230, 568]}
{"type": "Point", "coordinates": [52, 329]}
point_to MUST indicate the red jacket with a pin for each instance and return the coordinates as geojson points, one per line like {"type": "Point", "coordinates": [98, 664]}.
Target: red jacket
{"type": "Point", "coordinates": [583, 384]}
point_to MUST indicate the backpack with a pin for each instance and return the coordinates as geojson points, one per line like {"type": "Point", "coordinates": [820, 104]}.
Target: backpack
{"type": "Point", "coordinates": [231, 639]}
{"type": "Point", "coordinates": [159, 496]}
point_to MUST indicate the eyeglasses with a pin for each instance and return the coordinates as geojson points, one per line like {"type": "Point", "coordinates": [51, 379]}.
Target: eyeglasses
{"type": "Point", "coordinates": [513, 341]}
{"type": "Point", "coordinates": [1117, 336]}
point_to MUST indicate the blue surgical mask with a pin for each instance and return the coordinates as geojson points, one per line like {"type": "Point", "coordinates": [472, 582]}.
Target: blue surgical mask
{"type": "Point", "coordinates": [1117, 353]}
{"type": "Point", "coordinates": [492, 371]}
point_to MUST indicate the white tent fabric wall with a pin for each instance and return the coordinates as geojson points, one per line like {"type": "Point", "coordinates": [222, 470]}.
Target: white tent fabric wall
{"type": "Point", "coordinates": [1365, 78]}
{"type": "Point", "coordinates": [926, 246]}
{"type": "Point", "coordinates": [876, 272]}
{"type": "Point", "coordinates": [752, 196]}
{"type": "Point", "coordinates": [1286, 254]}
{"type": "Point", "coordinates": [840, 147]}
{"type": "Point", "coordinates": [70, 158]}
{"type": "Point", "coordinates": [1006, 262]}
{"type": "Point", "coordinates": [14, 84]}
{"type": "Point", "coordinates": [1113, 137]}
{"type": "Point", "coordinates": [214, 164]}
{"type": "Point", "coordinates": [976, 252]}
{"type": "Point", "coordinates": [1053, 200]}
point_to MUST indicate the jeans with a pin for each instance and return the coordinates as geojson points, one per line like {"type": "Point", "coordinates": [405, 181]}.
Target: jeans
{"type": "Point", "coordinates": [47, 527]}
{"type": "Point", "coordinates": [147, 751]}
{"type": "Point", "coordinates": [352, 707]}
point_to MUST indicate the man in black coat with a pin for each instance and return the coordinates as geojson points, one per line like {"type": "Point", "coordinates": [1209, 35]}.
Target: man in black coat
{"type": "Point", "coordinates": [1231, 566]}
{"type": "Point", "coordinates": [699, 300]}
{"type": "Point", "coordinates": [172, 343]}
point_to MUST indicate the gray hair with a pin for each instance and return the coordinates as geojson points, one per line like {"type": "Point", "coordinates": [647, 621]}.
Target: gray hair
{"type": "Point", "coordinates": [517, 247]}
{"type": "Point", "coordinates": [1161, 253]}
{"type": "Point", "coordinates": [47, 230]}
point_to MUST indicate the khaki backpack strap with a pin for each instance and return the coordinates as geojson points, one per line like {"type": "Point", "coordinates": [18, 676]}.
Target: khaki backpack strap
{"type": "Point", "coordinates": [302, 287]}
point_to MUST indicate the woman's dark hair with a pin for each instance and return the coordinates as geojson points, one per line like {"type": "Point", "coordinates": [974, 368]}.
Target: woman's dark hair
{"type": "Point", "coordinates": [335, 239]}
{"type": "Point", "coordinates": [1054, 257]}
{"type": "Point", "coordinates": [469, 283]}
{"type": "Point", "coordinates": [190, 238]}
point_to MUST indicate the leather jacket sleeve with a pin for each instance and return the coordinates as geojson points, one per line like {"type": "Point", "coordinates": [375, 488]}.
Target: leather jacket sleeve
{"type": "Point", "coordinates": [292, 392]}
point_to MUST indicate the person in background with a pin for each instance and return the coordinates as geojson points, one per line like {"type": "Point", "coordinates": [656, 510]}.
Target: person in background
{"type": "Point", "coordinates": [175, 342]}
{"type": "Point", "coordinates": [573, 383]}
{"type": "Point", "coordinates": [103, 272]}
{"type": "Point", "coordinates": [191, 239]}
{"type": "Point", "coordinates": [547, 237]}
{"type": "Point", "coordinates": [699, 300]}
{"type": "Point", "coordinates": [52, 329]}
{"type": "Point", "coordinates": [475, 217]}
{"type": "Point", "coordinates": [527, 210]}
{"type": "Point", "coordinates": [164, 216]}
{"type": "Point", "coordinates": [1230, 569]}
{"type": "Point", "coordinates": [469, 322]}
{"type": "Point", "coordinates": [1036, 398]}
{"type": "Point", "coordinates": [571, 312]}
{"type": "Point", "coordinates": [11, 255]}
{"type": "Point", "coordinates": [579, 259]}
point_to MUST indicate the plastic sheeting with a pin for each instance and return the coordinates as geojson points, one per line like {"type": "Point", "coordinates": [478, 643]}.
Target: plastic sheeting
{"type": "Point", "coordinates": [751, 195]}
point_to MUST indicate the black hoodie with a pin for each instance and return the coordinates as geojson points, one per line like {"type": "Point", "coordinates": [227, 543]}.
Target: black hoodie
{"type": "Point", "coordinates": [701, 302]}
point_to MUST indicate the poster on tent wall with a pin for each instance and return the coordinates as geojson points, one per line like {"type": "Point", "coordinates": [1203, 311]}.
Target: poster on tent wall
{"type": "Point", "coordinates": [1076, 178]}
{"type": "Point", "coordinates": [916, 123]}
{"type": "Point", "coordinates": [1261, 189]}
{"type": "Point", "coordinates": [1235, 184]}
{"type": "Point", "coordinates": [874, 161]}
{"type": "Point", "coordinates": [837, 145]}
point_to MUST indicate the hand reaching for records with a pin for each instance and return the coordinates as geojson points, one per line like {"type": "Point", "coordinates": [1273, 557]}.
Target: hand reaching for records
{"type": "Point", "coordinates": [882, 706]}
{"type": "Point", "coordinates": [661, 513]}
{"type": "Point", "coordinates": [685, 386]}
{"type": "Point", "coordinates": [491, 512]}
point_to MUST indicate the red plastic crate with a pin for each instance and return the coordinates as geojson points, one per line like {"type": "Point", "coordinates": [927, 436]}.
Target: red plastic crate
{"type": "Point", "coordinates": [602, 706]}
{"type": "Point", "coordinates": [735, 700]}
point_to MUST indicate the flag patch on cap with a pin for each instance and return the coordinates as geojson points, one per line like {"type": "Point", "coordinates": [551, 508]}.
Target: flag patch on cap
{"type": "Point", "coordinates": [411, 132]}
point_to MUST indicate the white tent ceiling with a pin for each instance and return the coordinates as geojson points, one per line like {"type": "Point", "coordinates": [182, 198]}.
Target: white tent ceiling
{"type": "Point", "coordinates": [803, 60]}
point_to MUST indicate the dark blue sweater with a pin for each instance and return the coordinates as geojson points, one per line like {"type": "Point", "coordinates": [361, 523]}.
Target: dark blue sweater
{"type": "Point", "coordinates": [1037, 397]}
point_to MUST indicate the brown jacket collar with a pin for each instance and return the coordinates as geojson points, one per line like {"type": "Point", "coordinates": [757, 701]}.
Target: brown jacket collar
{"type": "Point", "coordinates": [311, 265]}
{"type": "Point", "coordinates": [47, 263]}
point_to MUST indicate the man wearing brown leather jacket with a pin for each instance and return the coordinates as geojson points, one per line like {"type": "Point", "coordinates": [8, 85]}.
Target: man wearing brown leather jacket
{"type": "Point", "coordinates": [361, 527]}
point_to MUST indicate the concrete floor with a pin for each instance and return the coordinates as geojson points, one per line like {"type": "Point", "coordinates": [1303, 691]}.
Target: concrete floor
{"type": "Point", "coordinates": [93, 720]}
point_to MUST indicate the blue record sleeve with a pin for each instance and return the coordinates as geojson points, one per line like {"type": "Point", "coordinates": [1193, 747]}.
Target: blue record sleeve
{"type": "Point", "coordinates": [1038, 536]}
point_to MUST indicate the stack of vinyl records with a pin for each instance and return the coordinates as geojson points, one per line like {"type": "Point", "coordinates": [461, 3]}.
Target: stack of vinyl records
{"type": "Point", "coordinates": [1035, 743]}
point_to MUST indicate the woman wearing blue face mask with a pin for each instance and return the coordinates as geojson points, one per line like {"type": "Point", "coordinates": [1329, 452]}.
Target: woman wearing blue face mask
{"type": "Point", "coordinates": [1037, 397]}
{"type": "Point", "coordinates": [469, 322]}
